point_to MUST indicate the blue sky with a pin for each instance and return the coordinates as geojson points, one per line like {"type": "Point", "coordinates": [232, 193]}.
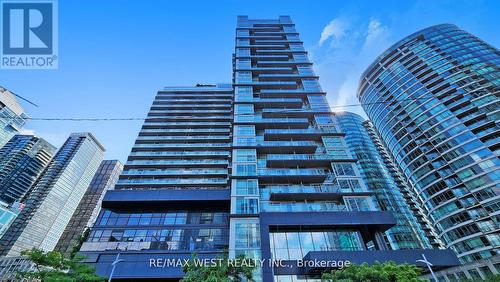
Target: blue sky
{"type": "Point", "coordinates": [114, 55]}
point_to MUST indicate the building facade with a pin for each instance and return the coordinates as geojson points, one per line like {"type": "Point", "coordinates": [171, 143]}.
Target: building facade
{"type": "Point", "coordinates": [258, 167]}
{"type": "Point", "coordinates": [89, 207]}
{"type": "Point", "coordinates": [433, 98]}
{"type": "Point", "coordinates": [408, 233]}
{"type": "Point", "coordinates": [54, 197]}
{"type": "Point", "coordinates": [12, 116]}
{"type": "Point", "coordinates": [404, 187]}
{"type": "Point", "coordinates": [22, 161]}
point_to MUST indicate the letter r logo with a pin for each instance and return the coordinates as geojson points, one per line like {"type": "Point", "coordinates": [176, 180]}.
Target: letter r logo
{"type": "Point", "coordinates": [27, 28]}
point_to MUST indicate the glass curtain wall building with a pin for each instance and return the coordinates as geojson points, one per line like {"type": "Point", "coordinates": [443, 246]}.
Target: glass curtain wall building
{"type": "Point", "coordinates": [12, 116]}
{"type": "Point", "coordinates": [407, 234]}
{"type": "Point", "coordinates": [85, 215]}
{"type": "Point", "coordinates": [404, 187]}
{"type": "Point", "coordinates": [54, 197]}
{"type": "Point", "coordinates": [22, 161]}
{"type": "Point", "coordinates": [433, 98]}
{"type": "Point", "coordinates": [261, 170]}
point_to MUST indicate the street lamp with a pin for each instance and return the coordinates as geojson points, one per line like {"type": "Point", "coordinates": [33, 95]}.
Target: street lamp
{"type": "Point", "coordinates": [114, 263]}
{"type": "Point", "coordinates": [429, 265]}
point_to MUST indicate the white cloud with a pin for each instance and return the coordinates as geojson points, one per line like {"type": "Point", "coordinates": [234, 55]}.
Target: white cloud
{"type": "Point", "coordinates": [354, 49]}
{"type": "Point", "coordinates": [335, 30]}
{"type": "Point", "coordinates": [375, 32]}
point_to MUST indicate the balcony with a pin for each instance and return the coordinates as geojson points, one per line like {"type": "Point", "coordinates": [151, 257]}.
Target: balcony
{"type": "Point", "coordinates": [287, 75]}
{"type": "Point", "coordinates": [301, 160]}
{"type": "Point", "coordinates": [269, 70]}
{"type": "Point", "coordinates": [278, 102]}
{"type": "Point", "coordinates": [322, 192]}
{"type": "Point", "coordinates": [174, 172]}
{"type": "Point", "coordinates": [202, 138]}
{"type": "Point", "coordinates": [182, 131]}
{"type": "Point", "coordinates": [291, 175]}
{"type": "Point", "coordinates": [178, 154]}
{"type": "Point", "coordinates": [180, 146]}
{"type": "Point", "coordinates": [289, 112]}
{"type": "Point", "coordinates": [302, 134]}
{"type": "Point", "coordinates": [279, 147]}
{"type": "Point", "coordinates": [270, 84]}
{"type": "Point", "coordinates": [177, 163]}
{"type": "Point", "coordinates": [148, 183]}
{"type": "Point", "coordinates": [199, 124]}
{"type": "Point", "coordinates": [277, 122]}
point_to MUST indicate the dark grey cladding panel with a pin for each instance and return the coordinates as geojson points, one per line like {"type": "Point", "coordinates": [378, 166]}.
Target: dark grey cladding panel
{"type": "Point", "coordinates": [380, 219]}
{"type": "Point", "coordinates": [181, 197]}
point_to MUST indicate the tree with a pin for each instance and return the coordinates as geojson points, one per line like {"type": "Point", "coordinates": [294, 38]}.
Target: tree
{"type": "Point", "coordinates": [224, 270]}
{"type": "Point", "coordinates": [378, 272]}
{"type": "Point", "coordinates": [53, 266]}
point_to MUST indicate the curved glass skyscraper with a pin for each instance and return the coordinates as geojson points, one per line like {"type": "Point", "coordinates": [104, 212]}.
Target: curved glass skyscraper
{"type": "Point", "coordinates": [434, 98]}
{"type": "Point", "coordinates": [407, 233]}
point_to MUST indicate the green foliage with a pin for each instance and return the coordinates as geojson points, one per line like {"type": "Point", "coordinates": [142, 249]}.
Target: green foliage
{"type": "Point", "coordinates": [378, 272]}
{"type": "Point", "coordinates": [53, 266]}
{"type": "Point", "coordinates": [79, 243]}
{"type": "Point", "coordinates": [223, 271]}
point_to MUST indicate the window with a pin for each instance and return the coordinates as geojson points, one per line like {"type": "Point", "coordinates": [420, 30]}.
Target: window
{"type": "Point", "coordinates": [243, 64]}
{"type": "Point", "coordinates": [241, 109]}
{"type": "Point", "coordinates": [357, 203]}
{"type": "Point", "coordinates": [243, 77]}
{"type": "Point", "coordinates": [247, 187]}
{"type": "Point", "coordinates": [245, 169]}
{"type": "Point", "coordinates": [244, 130]}
{"type": "Point", "coordinates": [243, 52]}
{"type": "Point", "coordinates": [247, 205]}
{"type": "Point", "coordinates": [343, 169]}
{"type": "Point", "coordinates": [245, 155]}
{"type": "Point", "coordinates": [331, 142]}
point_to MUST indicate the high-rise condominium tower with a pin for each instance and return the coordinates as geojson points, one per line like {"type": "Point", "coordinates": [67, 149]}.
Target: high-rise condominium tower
{"type": "Point", "coordinates": [54, 197]}
{"type": "Point", "coordinates": [22, 161]}
{"type": "Point", "coordinates": [259, 168]}
{"type": "Point", "coordinates": [12, 116]}
{"type": "Point", "coordinates": [433, 98]}
{"type": "Point", "coordinates": [85, 215]}
{"type": "Point", "coordinates": [408, 233]}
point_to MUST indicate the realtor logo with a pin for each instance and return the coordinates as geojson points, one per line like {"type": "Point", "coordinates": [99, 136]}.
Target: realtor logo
{"type": "Point", "coordinates": [29, 34]}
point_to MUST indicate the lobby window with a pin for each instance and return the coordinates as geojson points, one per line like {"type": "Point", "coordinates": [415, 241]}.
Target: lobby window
{"type": "Point", "coordinates": [295, 245]}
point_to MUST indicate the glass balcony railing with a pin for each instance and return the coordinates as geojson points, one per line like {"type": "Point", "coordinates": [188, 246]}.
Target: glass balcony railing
{"type": "Point", "coordinates": [277, 120]}
{"type": "Point", "coordinates": [167, 123]}
{"type": "Point", "coordinates": [293, 172]}
{"type": "Point", "coordinates": [178, 162]}
{"type": "Point", "coordinates": [322, 188]}
{"type": "Point", "coordinates": [286, 143]}
{"type": "Point", "coordinates": [190, 130]}
{"type": "Point", "coordinates": [305, 157]}
{"type": "Point", "coordinates": [301, 131]}
{"type": "Point", "coordinates": [178, 153]}
{"type": "Point", "coordinates": [173, 181]}
{"type": "Point", "coordinates": [182, 145]}
{"type": "Point", "coordinates": [201, 137]}
{"type": "Point", "coordinates": [174, 171]}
